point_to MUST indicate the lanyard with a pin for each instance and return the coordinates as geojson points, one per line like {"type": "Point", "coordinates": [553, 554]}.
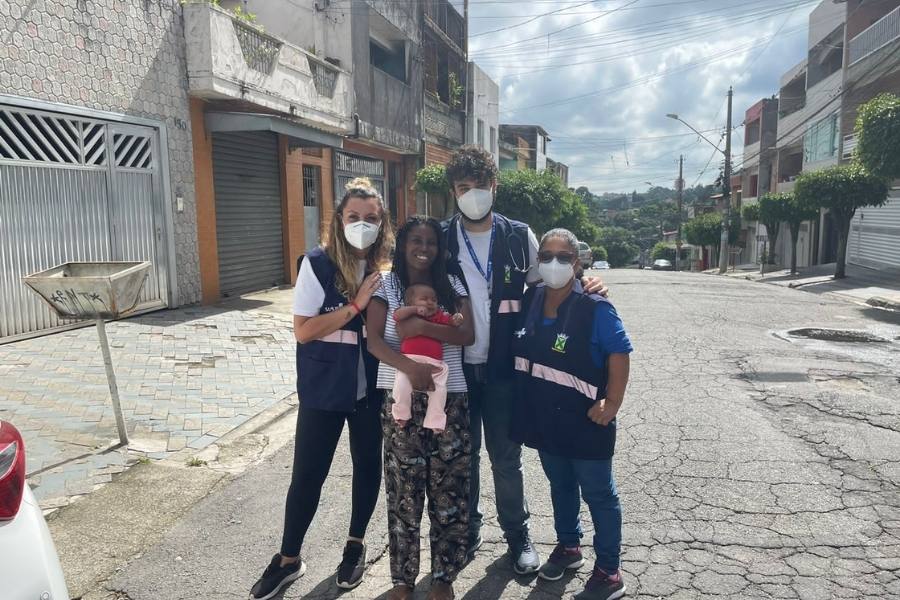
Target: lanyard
{"type": "Point", "coordinates": [490, 261]}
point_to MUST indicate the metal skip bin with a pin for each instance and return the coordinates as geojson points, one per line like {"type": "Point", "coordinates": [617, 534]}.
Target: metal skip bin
{"type": "Point", "coordinates": [98, 291]}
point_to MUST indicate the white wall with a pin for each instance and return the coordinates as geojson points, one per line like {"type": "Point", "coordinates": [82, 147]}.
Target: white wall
{"type": "Point", "coordinates": [484, 105]}
{"type": "Point", "coordinates": [300, 23]}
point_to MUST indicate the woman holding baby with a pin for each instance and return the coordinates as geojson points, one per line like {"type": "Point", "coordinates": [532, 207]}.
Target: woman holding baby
{"type": "Point", "coordinates": [418, 323]}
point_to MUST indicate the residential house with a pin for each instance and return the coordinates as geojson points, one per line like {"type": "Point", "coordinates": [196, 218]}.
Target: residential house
{"type": "Point", "coordinates": [483, 121]}
{"type": "Point", "coordinates": [560, 169]}
{"type": "Point", "coordinates": [808, 125]}
{"type": "Point", "coordinates": [446, 78]}
{"type": "Point", "coordinates": [95, 151]}
{"type": "Point", "coordinates": [760, 130]}
{"type": "Point", "coordinates": [286, 110]}
{"type": "Point", "coordinates": [873, 67]}
{"type": "Point", "coordinates": [528, 144]}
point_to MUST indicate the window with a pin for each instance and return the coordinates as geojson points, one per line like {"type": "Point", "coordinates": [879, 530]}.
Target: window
{"type": "Point", "coordinates": [391, 60]}
{"type": "Point", "coordinates": [820, 141]}
{"type": "Point", "coordinates": [312, 178]}
{"type": "Point", "coordinates": [543, 145]}
{"type": "Point", "coordinates": [493, 140]}
{"type": "Point", "coordinates": [480, 135]}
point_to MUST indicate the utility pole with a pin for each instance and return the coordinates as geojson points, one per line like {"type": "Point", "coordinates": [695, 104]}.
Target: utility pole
{"type": "Point", "coordinates": [726, 193]}
{"type": "Point", "coordinates": [680, 189]}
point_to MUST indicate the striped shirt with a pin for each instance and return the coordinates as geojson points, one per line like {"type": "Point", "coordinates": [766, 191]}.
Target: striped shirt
{"type": "Point", "coordinates": [392, 293]}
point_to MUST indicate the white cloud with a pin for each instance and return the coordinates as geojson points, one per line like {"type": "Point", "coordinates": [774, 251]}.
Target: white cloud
{"type": "Point", "coordinates": [651, 58]}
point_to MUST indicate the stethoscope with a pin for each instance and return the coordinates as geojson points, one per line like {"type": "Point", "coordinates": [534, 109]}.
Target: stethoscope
{"type": "Point", "coordinates": [512, 259]}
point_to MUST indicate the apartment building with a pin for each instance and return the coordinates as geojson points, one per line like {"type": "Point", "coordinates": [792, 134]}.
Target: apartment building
{"type": "Point", "coordinates": [758, 170]}
{"type": "Point", "coordinates": [483, 123]}
{"type": "Point", "coordinates": [873, 67]}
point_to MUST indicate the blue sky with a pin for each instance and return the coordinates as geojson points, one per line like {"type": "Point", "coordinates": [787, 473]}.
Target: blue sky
{"type": "Point", "coordinates": [600, 77]}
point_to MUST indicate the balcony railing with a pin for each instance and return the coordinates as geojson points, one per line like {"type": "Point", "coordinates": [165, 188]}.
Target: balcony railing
{"type": "Point", "coordinates": [228, 59]}
{"type": "Point", "coordinates": [443, 121]}
{"type": "Point", "coordinates": [880, 34]}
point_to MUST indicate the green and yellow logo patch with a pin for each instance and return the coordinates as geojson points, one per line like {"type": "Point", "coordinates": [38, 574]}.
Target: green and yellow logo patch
{"type": "Point", "coordinates": [560, 344]}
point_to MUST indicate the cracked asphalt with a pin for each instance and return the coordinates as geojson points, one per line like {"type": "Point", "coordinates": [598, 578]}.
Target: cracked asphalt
{"type": "Point", "coordinates": [751, 464]}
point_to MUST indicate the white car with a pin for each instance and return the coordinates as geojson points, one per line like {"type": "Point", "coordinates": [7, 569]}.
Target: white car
{"type": "Point", "coordinates": [29, 566]}
{"type": "Point", "coordinates": [600, 264]}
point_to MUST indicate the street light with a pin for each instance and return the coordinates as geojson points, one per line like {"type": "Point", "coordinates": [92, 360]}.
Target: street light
{"type": "Point", "coordinates": [726, 184]}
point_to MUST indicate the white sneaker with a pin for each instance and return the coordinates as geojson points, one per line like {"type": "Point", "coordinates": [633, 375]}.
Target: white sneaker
{"type": "Point", "coordinates": [528, 561]}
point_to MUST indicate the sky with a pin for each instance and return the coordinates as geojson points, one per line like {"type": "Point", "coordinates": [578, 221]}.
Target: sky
{"type": "Point", "coordinates": [600, 77]}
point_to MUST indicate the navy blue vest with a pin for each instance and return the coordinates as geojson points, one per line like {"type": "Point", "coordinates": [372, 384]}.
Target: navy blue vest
{"type": "Point", "coordinates": [327, 369]}
{"type": "Point", "coordinates": [557, 381]}
{"type": "Point", "coordinates": [511, 259]}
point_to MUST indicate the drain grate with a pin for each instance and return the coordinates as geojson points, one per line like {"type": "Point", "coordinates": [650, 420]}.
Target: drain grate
{"type": "Point", "coordinates": [838, 335]}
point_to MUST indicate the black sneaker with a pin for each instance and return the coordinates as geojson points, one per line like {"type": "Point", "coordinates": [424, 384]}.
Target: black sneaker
{"type": "Point", "coordinates": [353, 566]}
{"type": "Point", "coordinates": [603, 586]}
{"type": "Point", "coordinates": [276, 577]}
{"type": "Point", "coordinates": [561, 560]}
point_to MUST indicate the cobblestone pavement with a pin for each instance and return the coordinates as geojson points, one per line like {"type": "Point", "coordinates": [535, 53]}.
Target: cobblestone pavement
{"type": "Point", "coordinates": [751, 464]}
{"type": "Point", "coordinates": [186, 377]}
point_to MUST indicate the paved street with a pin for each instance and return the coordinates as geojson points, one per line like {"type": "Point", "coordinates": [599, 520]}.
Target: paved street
{"type": "Point", "coordinates": [751, 464]}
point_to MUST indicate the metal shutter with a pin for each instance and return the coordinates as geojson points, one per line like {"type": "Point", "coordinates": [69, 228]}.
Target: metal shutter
{"type": "Point", "coordinates": [248, 211]}
{"type": "Point", "coordinates": [875, 235]}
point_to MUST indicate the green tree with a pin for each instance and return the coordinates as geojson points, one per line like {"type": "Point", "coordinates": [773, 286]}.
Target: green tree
{"type": "Point", "coordinates": [599, 253]}
{"type": "Point", "coordinates": [620, 245]}
{"type": "Point", "coordinates": [772, 213]}
{"type": "Point", "coordinates": [706, 230]}
{"type": "Point", "coordinates": [750, 212]}
{"type": "Point", "coordinates": [432, 180]}
{"type": "Point", "coordinates": [841, 189]}
{"type": "Point", "coordinates": [877, 132]}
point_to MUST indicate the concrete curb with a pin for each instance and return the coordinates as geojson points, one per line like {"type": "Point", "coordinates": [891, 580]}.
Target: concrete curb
{"type": "Point", "coordinates": [882, 302]}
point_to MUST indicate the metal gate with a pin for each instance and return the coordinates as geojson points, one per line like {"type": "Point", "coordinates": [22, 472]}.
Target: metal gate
{"type": "Point", "coordinates": [74, 189]}
{"type": "Point", "coordinates": [875, 235]}
{"type": "Point", "coordinates": [248, 211]}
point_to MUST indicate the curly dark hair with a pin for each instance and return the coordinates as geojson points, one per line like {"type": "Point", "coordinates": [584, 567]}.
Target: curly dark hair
{"type": "Point", "coordinates": [471, 161]}
{"type": "Point", "coordinates": [440, 281]}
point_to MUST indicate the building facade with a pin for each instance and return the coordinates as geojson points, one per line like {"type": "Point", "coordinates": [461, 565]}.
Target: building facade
{"type": "Point", "coordinates": [483, 122]}
{"type": "Point", "coordinates": [95, 149]}
{"type": "Point", "coordinates": [758, 170]}
{"type": "Point", "coordinates": [525, 147]}
{"type": "Point", "coordinates": [872, 56]}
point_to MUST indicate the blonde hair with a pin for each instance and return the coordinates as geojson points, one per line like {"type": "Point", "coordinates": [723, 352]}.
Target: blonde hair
{"type": "Point", "coordinates": [339, 249]}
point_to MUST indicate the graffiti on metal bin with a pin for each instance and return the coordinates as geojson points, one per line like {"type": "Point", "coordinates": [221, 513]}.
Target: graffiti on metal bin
{"type": "Point", "coordinates": [74, 302]}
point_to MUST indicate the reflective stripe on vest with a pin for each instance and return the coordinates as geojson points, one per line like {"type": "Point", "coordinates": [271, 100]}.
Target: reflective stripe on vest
{"type": "Point", "coordinates": [341, 336]}
{"type": "Point", "coordinates": [558, 377]}
{"type": "Point", "coordinates": [510, 306]}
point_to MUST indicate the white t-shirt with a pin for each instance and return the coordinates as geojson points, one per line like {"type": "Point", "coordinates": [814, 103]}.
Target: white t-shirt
{"type": "Point", "coordinates": [309, 296]}
{"type": "Point", "coordinates": [391, 292]}
{"type": "Point", "coordinates": [479, 289]}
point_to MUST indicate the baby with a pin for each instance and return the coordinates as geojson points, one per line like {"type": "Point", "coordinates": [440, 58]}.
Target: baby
{"type": "Point", "coordinates": [421, 302]}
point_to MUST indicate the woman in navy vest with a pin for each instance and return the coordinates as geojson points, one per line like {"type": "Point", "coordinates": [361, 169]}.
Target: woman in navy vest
{"type": "Point", "coordinates": [419, 461]}
{"type": "Point", "coordinates": [335, 381]}
{"type": "Point", "coordinates": [572, 361]}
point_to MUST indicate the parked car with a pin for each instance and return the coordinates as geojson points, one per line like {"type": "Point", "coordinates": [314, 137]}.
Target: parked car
{"type": "Point", "coordinates": [600, 264]}
{"type": "Point", "coordinates": [585, 255]}
{"type": "Point", "coordinates": [29, 565]}
{"type": "Point", "coordinates": [662, 265]}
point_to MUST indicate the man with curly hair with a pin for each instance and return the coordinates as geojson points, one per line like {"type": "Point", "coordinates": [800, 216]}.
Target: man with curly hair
{"type": "Point", "coordinates": [496, 257]}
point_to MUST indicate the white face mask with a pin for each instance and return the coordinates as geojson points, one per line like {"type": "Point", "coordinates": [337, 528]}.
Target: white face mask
{"type": "Point", "coordinates": [555, 274]}
{"type": "Point", "coordinates": [361, 234]}
{"type": "Point", "coordinates": [475, 203]}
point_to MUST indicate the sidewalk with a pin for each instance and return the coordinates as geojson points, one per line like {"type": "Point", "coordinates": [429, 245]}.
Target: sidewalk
{"type": "Point", "coordinates": [186, 377]}
{"type": "Point", "coordinates": [874, 287]}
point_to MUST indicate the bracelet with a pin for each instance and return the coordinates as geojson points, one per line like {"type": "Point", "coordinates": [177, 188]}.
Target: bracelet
{"type": "Point", "coordinates": [356, 306]}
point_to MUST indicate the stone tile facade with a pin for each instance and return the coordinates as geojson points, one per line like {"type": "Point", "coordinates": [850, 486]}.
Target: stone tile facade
{"type": "Point", "coordinates": [122, 56]}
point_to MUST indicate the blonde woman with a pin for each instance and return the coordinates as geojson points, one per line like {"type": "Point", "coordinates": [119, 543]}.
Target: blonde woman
{"type": "Point", "coordinates": [336, 378]}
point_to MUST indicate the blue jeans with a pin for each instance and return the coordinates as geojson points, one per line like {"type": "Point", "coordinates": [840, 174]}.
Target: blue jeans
{"type": "Point", "coordinates": [491, 404]}
{"type": "Point", "coordinates": [595, 480]}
